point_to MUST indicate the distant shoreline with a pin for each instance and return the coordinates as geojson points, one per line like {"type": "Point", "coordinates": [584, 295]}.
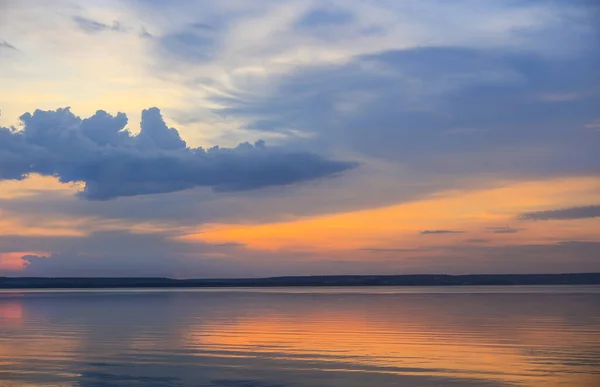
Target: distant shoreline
{"type": "Point", "coordinates": [303, 281]}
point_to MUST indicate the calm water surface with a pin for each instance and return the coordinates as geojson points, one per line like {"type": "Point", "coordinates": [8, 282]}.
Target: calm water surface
{"type": "Point", "coordinates": [475, 336]}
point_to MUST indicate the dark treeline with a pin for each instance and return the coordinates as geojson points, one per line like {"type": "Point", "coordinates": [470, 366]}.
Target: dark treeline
{"type": "Point", "coordinates": [337, 280]}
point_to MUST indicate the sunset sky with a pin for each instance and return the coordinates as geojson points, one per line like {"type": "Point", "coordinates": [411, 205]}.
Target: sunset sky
{"type": "Point", "coordinates": [236, 138]}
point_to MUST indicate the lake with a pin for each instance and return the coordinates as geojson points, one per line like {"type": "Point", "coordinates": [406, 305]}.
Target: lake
{"type": "Point", "coordinates": [444, 336]}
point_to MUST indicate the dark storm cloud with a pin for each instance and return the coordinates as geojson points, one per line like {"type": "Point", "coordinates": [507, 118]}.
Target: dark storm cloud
{"type": "Point", "coordinates": [113, 163]}
{"type": "Point", "coordinates": [439, 232]}
{"type": "Point", "coordinates": [563, 214]}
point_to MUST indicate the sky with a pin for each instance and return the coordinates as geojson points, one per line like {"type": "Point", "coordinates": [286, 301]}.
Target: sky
{"type": "Point", "coordinates": [234, 138]}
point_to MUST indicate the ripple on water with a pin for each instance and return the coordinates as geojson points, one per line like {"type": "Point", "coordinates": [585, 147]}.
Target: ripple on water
{"type": "Point", "coordinates": [536, 336]}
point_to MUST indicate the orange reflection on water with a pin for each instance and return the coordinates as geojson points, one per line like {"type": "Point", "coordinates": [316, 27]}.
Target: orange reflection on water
{"type": "Point", "coordinates": [345, 337]}
{"type": "Point", "coordinates": [11, 311]}
{"type": "Point", "coordinates": [525, 349]}
{"type": "Point", "coordinates": [17, 347]}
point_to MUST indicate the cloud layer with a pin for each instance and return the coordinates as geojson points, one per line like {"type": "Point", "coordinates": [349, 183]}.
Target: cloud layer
{"type": "Point", "coordinates": [112, 162]}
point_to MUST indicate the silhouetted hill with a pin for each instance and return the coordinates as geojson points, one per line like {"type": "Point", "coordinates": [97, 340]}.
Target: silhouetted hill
{"type": "Point", "coordinates": [336, 280]}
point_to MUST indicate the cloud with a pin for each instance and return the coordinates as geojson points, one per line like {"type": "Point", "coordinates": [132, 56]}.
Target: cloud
{"type": "Point", "coordinates": [382, 250]}
{"type": "Point", "coordinates": [477, 240]}
{"type": "Point", "coordinates": [503, 230]}
{"type": "Point", "coordinates": [92, 26]}
{"type": "Point", "coordinates": [196, 42]}
{"type": "Point", "coordinates": [166, 258]}
{"type": "Point", "coordinates": [318, 17]}
{"type": "Point", "coordinates": [439, 232]}
{"type": "Point", "coordinates": [563, 214]}
{"type": "Point", "coordinates": [594, 125]}
{"type": "Point", "coordinates": [99, 152]}
{"type": "Point", "coordinates": [124, 253]}
{"type": "Point", "coordinates": [5, 44]}
{"type": "Point", "coordinates": [63, 265]}
{"type": "Point", "coordinates": [400, 105]}
{"type": "Point", "coordinates": [230, 245]}
{"type": "Point", "coordinates": [153, 256]}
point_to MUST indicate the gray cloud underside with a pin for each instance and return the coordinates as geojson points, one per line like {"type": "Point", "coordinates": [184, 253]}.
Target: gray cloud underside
{"type": "Point", "coordinates": [564, 214]}
{"type": "Point", "coordinates": [112, 162]}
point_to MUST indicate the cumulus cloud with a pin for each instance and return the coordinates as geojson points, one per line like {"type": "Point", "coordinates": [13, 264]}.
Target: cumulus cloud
{"type": "Point", "coordinates": [439, 232]}
{"type": "Point", "coordinates": [112, 162]}
{"type": "Point", "coordinates": [563, 214]}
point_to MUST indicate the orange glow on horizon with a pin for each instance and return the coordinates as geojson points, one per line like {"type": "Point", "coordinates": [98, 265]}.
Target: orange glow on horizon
{"type": "Point", "coordinates": [400, 225]}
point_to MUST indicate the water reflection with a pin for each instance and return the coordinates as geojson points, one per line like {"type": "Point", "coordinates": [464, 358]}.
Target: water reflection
{"type": "Point", "coordinates": [306, 338]}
